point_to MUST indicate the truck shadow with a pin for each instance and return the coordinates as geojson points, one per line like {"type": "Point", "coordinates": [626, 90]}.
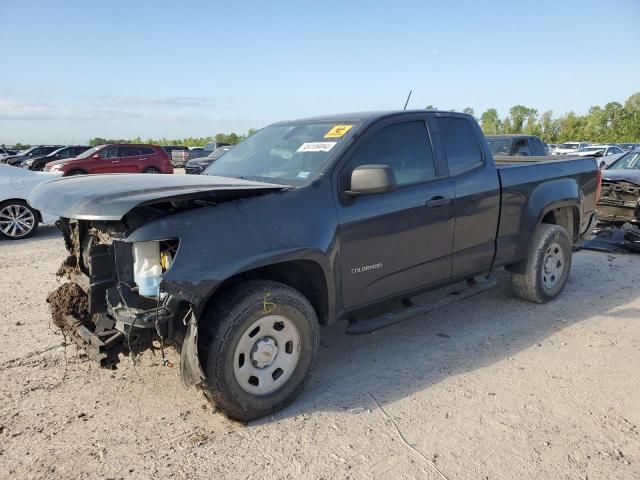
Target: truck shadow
{"type": "Point", "coordinates": [418, 353]}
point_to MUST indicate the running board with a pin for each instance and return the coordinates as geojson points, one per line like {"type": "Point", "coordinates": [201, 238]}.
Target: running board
{"type": "Point", "coordinates": [424, 304]}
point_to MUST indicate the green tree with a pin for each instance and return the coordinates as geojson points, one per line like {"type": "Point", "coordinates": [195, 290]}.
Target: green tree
{"type": "Point", "coordinates": [490, 122]}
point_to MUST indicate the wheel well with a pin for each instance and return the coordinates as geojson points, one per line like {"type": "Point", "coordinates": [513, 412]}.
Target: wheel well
{"type": "Point", "coordinates": [306, 276]}
{"type": "Point", "coordinates": [567, 217]}
{"type": "Point", "coordinates": [84, 172]}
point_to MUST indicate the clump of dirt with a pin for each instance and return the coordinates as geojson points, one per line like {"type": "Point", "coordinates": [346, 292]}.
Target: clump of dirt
{"type": "Point", "coordinates": [69, 267]}
{"type": "Point", "coordinates": [68, 299]}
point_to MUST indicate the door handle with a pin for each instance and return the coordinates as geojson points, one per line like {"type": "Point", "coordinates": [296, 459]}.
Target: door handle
{"type": "Point", "coordinates": [115, 161]}
{"type": "Point", "coordinates": [438, 201]}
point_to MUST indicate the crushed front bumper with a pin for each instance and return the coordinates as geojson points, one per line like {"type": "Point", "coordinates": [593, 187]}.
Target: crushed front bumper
{"type": "Point", "coordinates": [102, 347]}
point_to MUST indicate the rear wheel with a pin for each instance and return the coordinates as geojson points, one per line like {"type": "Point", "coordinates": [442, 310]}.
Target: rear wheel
{"type": "Point", "coordinates": [260, 346]}
{"type": "Point", "coordinates": [17, 220]}
{"type": "Point", "coordinates": [544, 274]}
{"type": "Point", "coordinates": [151, 170]}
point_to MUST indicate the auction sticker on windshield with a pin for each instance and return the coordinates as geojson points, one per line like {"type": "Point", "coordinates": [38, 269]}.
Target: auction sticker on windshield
{"type": "Point", "coordinates": [316, 146]}
{"type": "Point", "coordinates": [337, 131]}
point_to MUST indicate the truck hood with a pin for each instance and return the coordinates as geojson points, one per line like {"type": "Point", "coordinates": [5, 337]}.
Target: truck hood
{"type": "Point", "coordinates": [624, 174]}
{"type": "Point", "coordinates": [110, 197]}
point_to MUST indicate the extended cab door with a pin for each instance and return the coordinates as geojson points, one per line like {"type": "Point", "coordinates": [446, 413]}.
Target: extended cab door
{"type": "Point", "coordinates": [398, 241]}
{"type": "Point", "coordinates": [477, 192]}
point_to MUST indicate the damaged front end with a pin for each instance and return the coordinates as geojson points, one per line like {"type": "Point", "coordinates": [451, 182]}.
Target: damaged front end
{"type": "Point", "coordinates": [113, 301]}
{"type": "Point", "coordinates": [619, 202]}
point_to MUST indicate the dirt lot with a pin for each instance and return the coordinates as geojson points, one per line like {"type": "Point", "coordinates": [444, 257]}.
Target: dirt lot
{"type": "Point", "coordinates": [490, 388]}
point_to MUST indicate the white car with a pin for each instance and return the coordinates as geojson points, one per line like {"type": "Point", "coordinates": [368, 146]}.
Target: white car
{"type": "Point", "coordinates": [607, 153]}
{"type": "Point", "coordinates": [569, 148]}
{"type": "Point", "coordinates": [606, 150]}
{"type": "Point", "coordinates": [17, 219]}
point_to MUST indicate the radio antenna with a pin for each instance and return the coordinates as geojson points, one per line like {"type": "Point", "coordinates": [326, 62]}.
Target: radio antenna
{"type": "Point", "coordinates": [407, 102]}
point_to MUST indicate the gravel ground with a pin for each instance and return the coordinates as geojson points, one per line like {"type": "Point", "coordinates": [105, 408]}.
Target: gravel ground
{"type": "Point", "coordinates": [490, 388]}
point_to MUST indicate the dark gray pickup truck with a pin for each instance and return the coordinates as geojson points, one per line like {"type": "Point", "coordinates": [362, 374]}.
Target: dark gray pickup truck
{"type": "Point", "coordinates": [304, 223]}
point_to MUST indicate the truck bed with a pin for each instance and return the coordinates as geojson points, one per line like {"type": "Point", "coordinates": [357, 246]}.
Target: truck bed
{"type": "Point", "coordinates": [525, 186]}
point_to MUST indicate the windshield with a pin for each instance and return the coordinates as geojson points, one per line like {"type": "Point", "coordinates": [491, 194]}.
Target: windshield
{"type": "Point", "coordinates": [630, 161]}
{"type": "Point", "coordinates": [91, 151]}
{"type": "Point", "coordinates": [290, 154]}
{"type": "Point", "coordinates": [499, 146]}
{"type": "Point", "coordinates": [569, 146]}
{"type": "Point", "coordinates": [55, 152]}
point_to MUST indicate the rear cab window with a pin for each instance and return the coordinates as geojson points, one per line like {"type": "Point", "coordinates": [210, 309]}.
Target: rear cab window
{"type": "Point", "coordinates": [460, 143]}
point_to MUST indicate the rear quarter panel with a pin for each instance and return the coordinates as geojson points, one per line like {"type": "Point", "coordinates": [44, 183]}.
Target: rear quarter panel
{"type": "Point", "coordinates": [531, 190]}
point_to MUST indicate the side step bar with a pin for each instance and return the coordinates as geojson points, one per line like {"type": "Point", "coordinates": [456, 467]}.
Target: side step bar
{"type": "Point", "coordinates": [451, 296]}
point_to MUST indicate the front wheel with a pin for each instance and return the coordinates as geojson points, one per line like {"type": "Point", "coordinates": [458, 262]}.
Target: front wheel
{"type": "Point", "coordinates": [544, 274]}
{"type": "Point", "coordinates": [260, 344]}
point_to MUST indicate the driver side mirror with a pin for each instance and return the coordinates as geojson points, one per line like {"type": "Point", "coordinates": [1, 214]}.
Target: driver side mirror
{"type": "Point", "coordinates": [372, 179]}
{"type": "Point", "coordinates": [602, 165]}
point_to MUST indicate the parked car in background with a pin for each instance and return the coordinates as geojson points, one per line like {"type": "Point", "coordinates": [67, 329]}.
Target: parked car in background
{"type": "Point", "coordinates": [607, 154]}
{"type": "Point", "coordinates": [603, 150]}
{"type": "Point", "coordinates": [17, 218]}
{"type": "Point", "coordinates": [37, 163]}
{"type": "Point", "coordinates": [211, 146]}
{"type": "Point", "coordinates": [569, 147]}
{"type": "Point", "coordinates": [123, 158]}
{"type": "Point", "coordinates": [516, 145]}
{"type": "Point", "coordinates": [180, 154]}
{"type": "Point", "coordinates": [197, 165]}
{"type": "Point", "coordinates": [629, 146]}
{"type": "Point", "coordinates": [38, 151]}
{"type": "Point", "coordinates": [6, 152]}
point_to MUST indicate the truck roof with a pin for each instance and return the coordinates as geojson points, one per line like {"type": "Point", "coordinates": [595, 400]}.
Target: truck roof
{"type": "Point", "coordinates": [369, 116]}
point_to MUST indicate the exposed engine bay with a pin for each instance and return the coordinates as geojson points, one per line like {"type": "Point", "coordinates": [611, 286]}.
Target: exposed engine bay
{"type": "Point", "coordinates": [619, 202]}
{"type": "Point", "coordinates": [112, 302]}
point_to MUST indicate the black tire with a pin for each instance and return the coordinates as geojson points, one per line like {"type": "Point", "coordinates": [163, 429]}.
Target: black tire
{"type": "Point", "coordinates": [538, 279]}
{"type": "Point", "coordinates": [151, 170]}
{"type": "Point", "coordinates": [75, 172]}
{"type": "Point", "coordinates": [225, 323]}
{"type": "Point", "coordinates": [11, 206]}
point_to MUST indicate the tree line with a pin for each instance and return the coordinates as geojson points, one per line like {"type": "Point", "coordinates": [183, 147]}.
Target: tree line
{"type": "Point", "coordinates": [231, 138]}
{"type": "Point", "coordinates": [614, 123]}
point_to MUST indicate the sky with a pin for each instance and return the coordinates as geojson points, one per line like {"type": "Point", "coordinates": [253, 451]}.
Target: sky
{"type": "Point", "coordinates": [72, 70]}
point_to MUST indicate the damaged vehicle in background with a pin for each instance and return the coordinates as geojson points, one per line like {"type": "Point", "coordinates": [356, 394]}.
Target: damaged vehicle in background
{"type": "Point", "coordinates": [302, 224]}
{"type": "Point", "coordinates": [619, 207]}
{"type": "Point", "coordinates": [620, 199]}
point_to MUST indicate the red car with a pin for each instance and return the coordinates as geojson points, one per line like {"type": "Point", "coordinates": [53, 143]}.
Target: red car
{"type": "Point", "coordinates": [125, 158]}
